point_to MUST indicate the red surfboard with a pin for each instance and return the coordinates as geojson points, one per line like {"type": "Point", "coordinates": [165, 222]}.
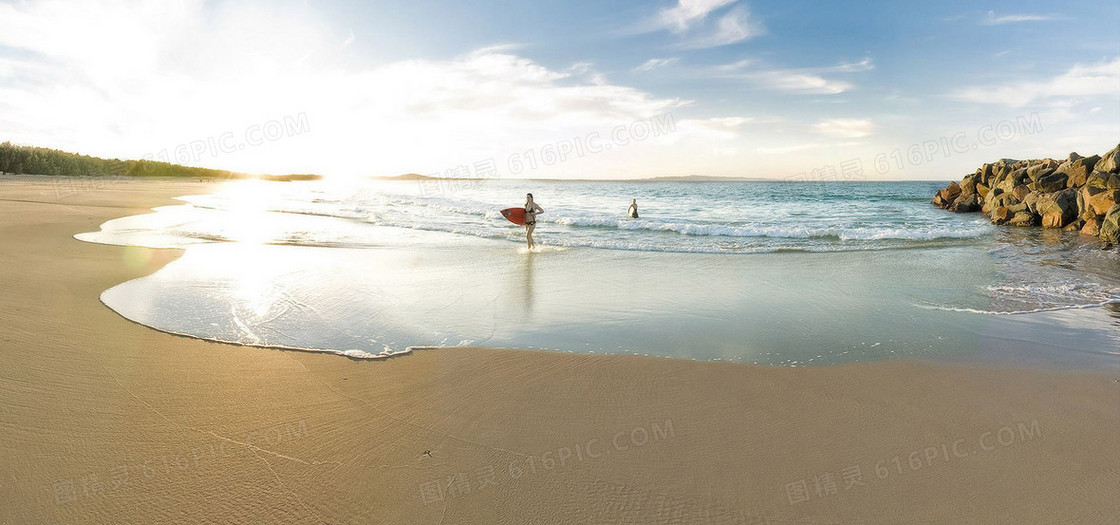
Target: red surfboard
{"type": "Point", "coordinates": [515, 215]}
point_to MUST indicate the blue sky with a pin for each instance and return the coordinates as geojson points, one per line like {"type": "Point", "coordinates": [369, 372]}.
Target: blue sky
{"type": "Point", "coordinates": [906, 90]}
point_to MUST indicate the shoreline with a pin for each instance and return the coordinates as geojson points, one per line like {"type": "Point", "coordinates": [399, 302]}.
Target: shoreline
{"type": "Point", "coordinates": [88, 394]}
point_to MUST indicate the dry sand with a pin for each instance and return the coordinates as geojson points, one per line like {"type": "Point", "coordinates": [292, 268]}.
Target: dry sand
{"type": "Point", "coordinates": [106, 421]}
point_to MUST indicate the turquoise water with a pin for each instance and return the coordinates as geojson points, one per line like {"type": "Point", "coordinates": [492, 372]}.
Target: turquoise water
{"type": "Point", "coordinates": [775, 273]}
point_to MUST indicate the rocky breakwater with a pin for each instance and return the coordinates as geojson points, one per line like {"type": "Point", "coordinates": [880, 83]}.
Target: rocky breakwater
{"type": "Point", "coordinates": [1078, 193]}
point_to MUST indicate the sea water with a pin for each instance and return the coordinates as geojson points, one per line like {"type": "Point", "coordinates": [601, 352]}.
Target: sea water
{"type": "Point", "coordinates": [776, 273]}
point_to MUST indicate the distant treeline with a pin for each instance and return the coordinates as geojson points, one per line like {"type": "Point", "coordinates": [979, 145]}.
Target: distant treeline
{"type": "Point", "coordinates": [30, 160]}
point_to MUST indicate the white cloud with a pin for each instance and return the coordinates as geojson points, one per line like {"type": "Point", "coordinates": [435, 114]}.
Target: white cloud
{"type": "Point", "coordinates": [845, 127]}
{"type": "Point", "coordinates": [85, 85]}
{"type": "Point", "coordinates": [1082, 80]}
{"type": "Point", "coordinates": [796, 80]}
{"type": "Point", "coordinates": [686, 13]}
{"type": "Point", "coordinates": [735, 26]}
{"type": "Point", "coordinates": [694, 21]}
{"type": "Point", "coordinates": [993, 20]}
{"type": "Point", "coordinates": [722, 128]}
{"type": "Point", "coordinates": [655, 63]}
{"type": "Point", "coordinates": [790, 148]}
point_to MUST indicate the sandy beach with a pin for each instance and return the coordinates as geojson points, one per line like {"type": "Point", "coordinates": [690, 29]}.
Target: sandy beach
{"type": "Point", "coordinates": [106, 421]}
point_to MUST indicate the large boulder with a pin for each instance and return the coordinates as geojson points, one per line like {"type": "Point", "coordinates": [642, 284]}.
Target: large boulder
{"type": "Point", "coordinates": [1039, 171]}
{"type": "Point", "coordinates": [1020, 192]}
{"type": "Point", "coordinates": [1024, 218]}
{"type": "Point", "coordinates": [1082, 206]}
{"type": "Point", "coordinates": [1050, 183]}
{"type": "Point", "coordinates": [985, 175]}
{"type": "Point", "coordinates": [966, 204]}
{"type": "Point", "coordinates": [1077, 170]}
{"type": "Point", "coordinates": [968, 185]}
{"type": "Point", "coordinates": [1031, 200]}
{"type": "Point", "coordinates": [945, 197]}
{"type": "Point", "coordinates": [997, 199]}
{"type": "Point", "coordinates": [1110, 162]}
{"type": "Point", "coordinates": [1092, 227]}
{"type": "Point", "coordinates": [1001, 215]}
{"type": "Point", "coordinates": [1057, 209]}
{"type": "Point", "coordinates": [1041, 168]}
{"type": "Point", "coordinates": [1014, 178]}
{"type": "Point", "coordinates": [1110, 226]}
{"type": "Point", "coordinates": [982, 190]}
{"type": "Point", "coordinates": [1100, 203]}
{"type": "Point", "coordinates": [1103, 180]}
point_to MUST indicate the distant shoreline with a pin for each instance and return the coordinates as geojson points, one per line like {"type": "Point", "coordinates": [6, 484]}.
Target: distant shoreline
{"type": "Point", "coordinates": [690, 178]}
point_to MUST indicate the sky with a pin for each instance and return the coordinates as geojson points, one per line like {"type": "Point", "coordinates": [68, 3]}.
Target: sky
{"type": "Point", "coordinates": [804, 90]}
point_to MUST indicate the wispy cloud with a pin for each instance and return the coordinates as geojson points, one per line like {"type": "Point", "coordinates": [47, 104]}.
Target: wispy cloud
{"type": "Point", "coordinates": [654, 63]}
{"type": "Point", "coordinates": [790, 148]}
{"type": "Point", "coordinates": [686, 13]}
{"type": "Point", "coordinates": [992, 20]}
{"type": "Point", "coordinates": [1082, 80]}
{"type": "Point", "coordinates": [699, 26]}
{"type": "Point", "coordinates": [797, 80]}
{"type": "Point", "coordinates": [735, 26]}
{"type": "Point", "coordinates": [851, 128]}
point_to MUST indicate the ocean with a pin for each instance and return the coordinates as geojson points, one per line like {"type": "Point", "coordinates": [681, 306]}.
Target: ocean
{"type": "Point", "coordinates": [776, 273]}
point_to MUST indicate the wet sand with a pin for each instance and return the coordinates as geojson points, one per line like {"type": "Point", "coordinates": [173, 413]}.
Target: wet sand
{"type": "Point", "coordinates": [106, 421]}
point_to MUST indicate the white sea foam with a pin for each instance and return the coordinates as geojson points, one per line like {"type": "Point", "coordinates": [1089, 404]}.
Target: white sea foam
{"type": "Point", "coordinates": [689, 218]}
{"type": "Point", "coordinates": [1040, 298]}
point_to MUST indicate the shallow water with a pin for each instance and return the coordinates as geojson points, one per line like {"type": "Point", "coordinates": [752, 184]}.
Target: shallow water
{"type": "Point", "coordinates": [746, 272]}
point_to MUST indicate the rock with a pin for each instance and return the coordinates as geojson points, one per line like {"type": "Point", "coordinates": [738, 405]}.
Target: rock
{"type": "Point", "coordinates": [1050, 183]}
{"type": "Point", "coordinates": [1024, 218]}
{"type": "Point", "coordinates": [996, 200]}
{"type": "Point", "coordinates": [1083, 194]}
{"type": "Point", "coordinates": [1073, 193]}
{"type": "Point", "coordinates": [1057, 209]}
{"type": "Point", "coordinates": [950, 193]}
{"type": "Point", "coordinates": [1001, 215]}
{"type": "Point", "coordinates": [1031, 201]}
{"type": "Point", "coordinates": [1092, 227]}
{"type": "Point", "coordinates": [968, 185]}
{"type": "Point", "coordinates": [1103, 180]}
{"type": "Point", "coordinates": [966, 204]}
{"type": "Point", "coordinates": [1013, 178]}
{"type": "Point", "coordinates": [1078, 170]}
{"type": "Point", "coordinates": [1074, 226]}
{"type": "Point", "coordinates": [1110, 226]}
{"type": "Point", "coordinates": [1100, 203]}
{"type": "Point", "coordinates": [1110, 162]}
{"type": "Point", "coordinates": [1041, 169]}
{"type": "Point", "coordinates": [1039, 173]}
{"type": "Point", "coordinates": [986, 174]}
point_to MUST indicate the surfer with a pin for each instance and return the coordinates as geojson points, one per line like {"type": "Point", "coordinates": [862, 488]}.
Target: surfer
{"type": "Point", "coordinates": [632, 211]}
{"type": "Point", "coordinates": [531, 211]}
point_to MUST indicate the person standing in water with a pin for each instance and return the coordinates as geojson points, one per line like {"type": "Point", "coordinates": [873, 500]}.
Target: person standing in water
{"type": "Point", "coordinates": [632, 211]}
{"type": "Point", "coordinates": [531, 211]}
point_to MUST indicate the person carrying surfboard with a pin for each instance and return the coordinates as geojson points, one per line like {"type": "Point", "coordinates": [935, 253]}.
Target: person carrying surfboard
{"type": "Point", "coordinates": [632, 211]}
{"type": "Point", "coordinates": [531, 211]}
